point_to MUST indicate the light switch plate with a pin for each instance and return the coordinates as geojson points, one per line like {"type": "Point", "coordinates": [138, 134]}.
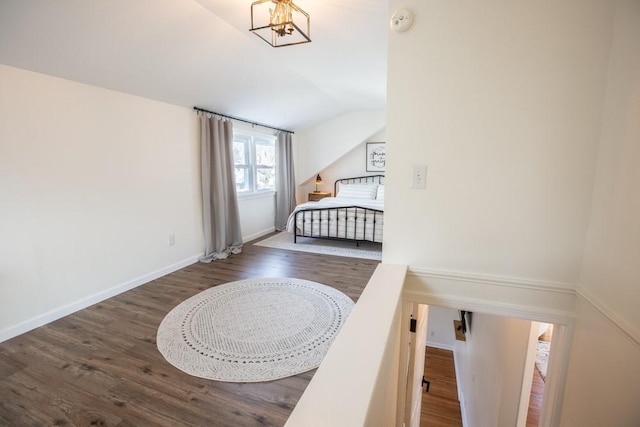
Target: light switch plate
{"type": "Point", "coordinates": [419, 176]}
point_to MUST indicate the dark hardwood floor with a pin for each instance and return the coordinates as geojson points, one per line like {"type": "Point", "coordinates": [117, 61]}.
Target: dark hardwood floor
{"type": "Point", "coordinates": [100, 366]}
{"type": "Point", "coordinates": [535, 400]}
{"type": "Point", "coordinates": [440, 407]}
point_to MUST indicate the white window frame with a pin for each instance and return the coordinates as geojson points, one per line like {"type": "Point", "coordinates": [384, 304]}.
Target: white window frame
{"type": "Point", "coordinates": [252, 167]}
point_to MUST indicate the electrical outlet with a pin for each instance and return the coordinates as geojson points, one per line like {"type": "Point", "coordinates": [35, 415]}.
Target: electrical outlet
{"type": "Point", "coordinates": [419, 176]}
{"type": "Point", "coordinates": [172, 239]}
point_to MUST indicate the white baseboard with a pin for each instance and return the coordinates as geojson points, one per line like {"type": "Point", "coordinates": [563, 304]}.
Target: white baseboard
{"type": "Point", "coordinates": [57, 313]}
{"type": "Point", "coordinates": [463, 411]}
{"type": "Point", "coordinates": [257, 235]}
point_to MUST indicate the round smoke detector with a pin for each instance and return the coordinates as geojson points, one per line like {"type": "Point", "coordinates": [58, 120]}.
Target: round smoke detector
{"type": "Point", "coordinates": [402, 20]}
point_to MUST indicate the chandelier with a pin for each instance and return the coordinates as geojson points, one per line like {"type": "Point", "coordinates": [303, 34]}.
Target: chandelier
{"type": "Point", "coordinates": [280, 22]}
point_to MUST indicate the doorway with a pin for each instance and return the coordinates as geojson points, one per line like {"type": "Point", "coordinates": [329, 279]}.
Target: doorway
{"type": "Point", "coordinates": [543, 337]}
{"type": "Point", "coordinates": [496, 365]}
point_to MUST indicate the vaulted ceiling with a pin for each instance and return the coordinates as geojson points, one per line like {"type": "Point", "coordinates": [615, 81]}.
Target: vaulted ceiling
{"type": "Point", "coordinates": [200, 53]}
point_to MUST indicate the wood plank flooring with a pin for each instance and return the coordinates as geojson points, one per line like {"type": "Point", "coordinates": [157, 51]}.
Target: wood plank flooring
{"type": "Point", "coordinates": [100, 366]}
{"type": "Point", "coordinates": [535, 400]}
{"type": "Point", "coordinates": [440, 407]}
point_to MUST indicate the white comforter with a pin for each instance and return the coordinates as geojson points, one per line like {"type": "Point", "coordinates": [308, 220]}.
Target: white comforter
{"type": "Point", "coordinates": [343, 223]}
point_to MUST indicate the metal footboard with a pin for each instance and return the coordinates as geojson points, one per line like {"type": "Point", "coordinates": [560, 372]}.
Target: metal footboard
{"type": "Point", "coordinates": [351, 223]}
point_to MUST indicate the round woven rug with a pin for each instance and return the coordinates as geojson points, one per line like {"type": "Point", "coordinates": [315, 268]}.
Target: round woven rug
{"type": "Point", "coordinates": [253, 330]}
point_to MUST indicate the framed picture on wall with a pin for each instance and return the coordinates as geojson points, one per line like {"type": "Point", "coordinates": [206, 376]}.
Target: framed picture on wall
{"type": "Point", "coordinates": [376, 157]}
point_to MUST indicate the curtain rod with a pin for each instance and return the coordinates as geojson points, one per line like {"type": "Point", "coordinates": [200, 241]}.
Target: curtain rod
{"type": "Point", "coordinates": [241, 120]}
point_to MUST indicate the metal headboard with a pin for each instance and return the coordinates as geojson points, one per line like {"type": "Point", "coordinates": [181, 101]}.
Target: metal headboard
{"type": "Point", "coordinates": [369, 179]}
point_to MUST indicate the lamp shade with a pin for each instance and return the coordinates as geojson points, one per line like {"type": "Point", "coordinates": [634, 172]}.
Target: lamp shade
{"type": "Point", "coordinates": [318, 180]}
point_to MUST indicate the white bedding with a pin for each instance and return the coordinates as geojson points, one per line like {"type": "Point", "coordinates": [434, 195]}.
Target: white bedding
{"type": "Point", "coordinates": [350, 222]}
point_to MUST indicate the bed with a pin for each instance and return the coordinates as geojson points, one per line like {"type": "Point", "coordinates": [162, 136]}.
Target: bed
{"type": "Point", "coordinates": [356, 213]}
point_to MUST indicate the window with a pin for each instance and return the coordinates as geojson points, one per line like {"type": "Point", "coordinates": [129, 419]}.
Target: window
{"type": "Point", "coordinates": [254, 157]}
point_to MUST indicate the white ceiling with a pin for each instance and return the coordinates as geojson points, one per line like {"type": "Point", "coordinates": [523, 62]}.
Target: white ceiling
{"type": "Point", "coordinates": [200, 53]}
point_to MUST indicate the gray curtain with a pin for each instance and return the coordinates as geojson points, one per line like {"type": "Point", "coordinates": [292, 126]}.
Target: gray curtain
{"type": "Point", "coordinates": [222, 235]}
{"type": "Point", "coordinates": [286, 191]}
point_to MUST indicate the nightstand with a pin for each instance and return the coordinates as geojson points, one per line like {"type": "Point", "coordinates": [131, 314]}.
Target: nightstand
{"type": "Point", "coordinates": [317, 195]}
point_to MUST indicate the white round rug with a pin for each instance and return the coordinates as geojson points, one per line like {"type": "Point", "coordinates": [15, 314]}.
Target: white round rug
{"type": "Point", "coordinates": [253, 330]}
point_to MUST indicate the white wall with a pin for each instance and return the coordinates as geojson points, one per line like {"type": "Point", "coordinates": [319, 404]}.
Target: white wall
{"type": "Point", "coordinates": [490, 364]}
{"type": "Point", "coordinates": [603, 380]}
{"type": "Point", "coordinates": [611, 271]}
{"type": "Point", "coordinates": [511, 106]}
{"type": "Point", "coordinates": [319, 147]}
{"type": "Point", "coordinates": [257, 215]}
{"type": "Point", "coordinates": [92, 182]}
{"type": "Point", "coordinates": [603, 383]}
{"type": "Point", "coordinates": [517, 348]}
{"type": "Point", "coordinates": [351, 164]}
{"type": "Point", "coordinates": [440, 332]}
{"type": "Point", "coordinates": [501, 100]}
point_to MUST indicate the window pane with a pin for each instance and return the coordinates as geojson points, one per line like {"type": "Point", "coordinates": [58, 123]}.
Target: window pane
{"type": "Point", "coordinates": [254, 158]}
{"type": "Point", "coordinates": [242, 181]}
{"type": "Point", "coordinates": [240, 151]}
{"type": "Point", "coordinates": [266, 178]}
{"type": "Point", "coordinates": [265, 153]}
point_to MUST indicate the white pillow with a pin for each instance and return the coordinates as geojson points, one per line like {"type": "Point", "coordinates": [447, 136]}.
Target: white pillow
{"type": "Point", "coordinates": [358, 191]}
{"type": "Point", "coordinates": [380, 193]}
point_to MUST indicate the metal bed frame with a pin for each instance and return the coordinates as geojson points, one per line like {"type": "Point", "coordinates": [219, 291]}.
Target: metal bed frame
{"type": "Point", "coordinates": [351, 213]}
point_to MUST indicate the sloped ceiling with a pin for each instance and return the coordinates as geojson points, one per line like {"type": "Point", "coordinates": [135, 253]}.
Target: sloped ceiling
{"type": "Point", "coordinates": [200, 53]}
